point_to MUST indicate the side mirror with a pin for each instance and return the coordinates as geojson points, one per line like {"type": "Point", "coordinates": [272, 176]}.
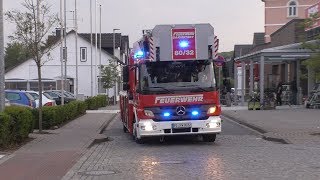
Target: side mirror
{"type": "Point", "coordinates": [125, 74]}
{"type": "Point", "coordinates": [125, 87]}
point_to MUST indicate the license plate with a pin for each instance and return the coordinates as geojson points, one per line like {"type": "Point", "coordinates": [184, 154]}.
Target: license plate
{"type": "Point", "coordinates": [181, 125]}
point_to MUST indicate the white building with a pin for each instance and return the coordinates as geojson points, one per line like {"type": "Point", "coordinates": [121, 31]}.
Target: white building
{"type": "Point", "coordinates": [24, 76]}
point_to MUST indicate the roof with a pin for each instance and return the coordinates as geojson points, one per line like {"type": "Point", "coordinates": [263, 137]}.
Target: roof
{"type": "Point", "coordinates": [258, 39]}
{"type": "Point", "coordinates": [241, 49]}
{"type": "Point", "coordinates": [287, 24]}
{"type": "Point", "coordinates": [107, 39]}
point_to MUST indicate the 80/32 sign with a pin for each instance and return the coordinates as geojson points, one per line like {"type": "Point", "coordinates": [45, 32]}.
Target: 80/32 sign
{"type": "Point", "coordinates": [184, 44]}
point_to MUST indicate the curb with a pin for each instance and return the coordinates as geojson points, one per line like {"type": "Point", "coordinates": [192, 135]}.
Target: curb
{"type": "Point", "coordinates": [274, 139]}
{"type": "Point", "coordinates": [259, 129]}
{"type": "Point", "coordinates": [107, 123]}
{"type": "Point", "coordinates": [256, 128]}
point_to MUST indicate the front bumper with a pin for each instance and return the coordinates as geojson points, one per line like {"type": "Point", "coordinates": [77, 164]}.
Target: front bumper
{"type": "Point", "coordinates": [148, 127]}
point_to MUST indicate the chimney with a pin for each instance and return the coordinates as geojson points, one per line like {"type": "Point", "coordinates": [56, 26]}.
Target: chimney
{"type": "Point", "coordinates": [58, 32]}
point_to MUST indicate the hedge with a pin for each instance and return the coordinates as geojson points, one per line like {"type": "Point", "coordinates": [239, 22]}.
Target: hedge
{"type": "Point", "coordinates": [57, 115]}
{"type": "Point", "coordinates": [21, 123]}
{"type": "Point", "coordinates": [5, 123]}
{"type": "Point", "coordinates": [17, 122]}
{"type": "Point", "coordinates": [96, 102]}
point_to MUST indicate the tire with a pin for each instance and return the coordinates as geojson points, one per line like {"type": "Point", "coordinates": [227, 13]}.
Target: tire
{"type": "Point", "coordinates": [125, 130]}
{"type": "Point", "coordinates": [139, 141]}
{"type": "Point", "coordinates": [209, 137]}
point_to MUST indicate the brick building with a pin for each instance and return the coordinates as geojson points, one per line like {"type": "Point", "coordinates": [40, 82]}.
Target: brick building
{"type": "Point", "coordinates": [280, 12]}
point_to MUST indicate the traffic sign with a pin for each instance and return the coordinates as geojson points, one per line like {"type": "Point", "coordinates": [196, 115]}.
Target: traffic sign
{"type": "Point", "coordinates": [220, 61]}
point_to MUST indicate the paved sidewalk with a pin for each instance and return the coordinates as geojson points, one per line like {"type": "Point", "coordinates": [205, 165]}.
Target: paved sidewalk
{"type": "Point", "coordinates": [289, 125]}
{"type": "Point", "coordinates": [50, 156]}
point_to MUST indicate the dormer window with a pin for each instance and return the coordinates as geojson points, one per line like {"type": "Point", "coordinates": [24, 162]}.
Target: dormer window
{"type": "Point", "coordinates": [292, 9]}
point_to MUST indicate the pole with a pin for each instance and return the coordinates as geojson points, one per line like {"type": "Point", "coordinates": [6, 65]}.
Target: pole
{"type": "Point", "coordinates": [100, 61]}
{"type": "Point", "coordinates": [91, 65]}
{"type": "Point", "coordinates": [114, 54]}
{"type": "Point", "coordinates": [96, 49]}
{"type": "Point", "coordinates": [61, 51]}
{"type": "Point", "coordinates": [76, 41]}
{"type": "Point", "coordinates": [2, 64]}
{"type": "Point", "coordinates": [65, 40]}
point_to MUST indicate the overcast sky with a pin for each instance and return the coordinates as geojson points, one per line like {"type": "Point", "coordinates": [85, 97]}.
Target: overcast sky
{"type": "Point", "coordinates": [235, 21]}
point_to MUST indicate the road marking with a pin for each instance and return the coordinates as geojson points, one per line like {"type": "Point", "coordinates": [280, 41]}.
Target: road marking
{"type": "Point", "coordinates": [103, 111]}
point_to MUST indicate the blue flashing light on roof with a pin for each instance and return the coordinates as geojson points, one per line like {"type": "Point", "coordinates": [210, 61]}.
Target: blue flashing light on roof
{"type": "Point", "coordinates": [184, 44]}
{"type": "Point", "coordinates": [138, 54]}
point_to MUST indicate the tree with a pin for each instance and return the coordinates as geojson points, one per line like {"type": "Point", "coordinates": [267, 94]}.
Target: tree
{"type": "Point", "coordinates": [109, 75]}
{"type": "Point", "coordinates": [32, 28]}
{"type": "Point", "coordinates": [314, 62]}
{"type": "Point", "coordinates": [15, 54]}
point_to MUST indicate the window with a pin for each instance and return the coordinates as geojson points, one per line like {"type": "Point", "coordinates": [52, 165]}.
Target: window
{"type": "Point", "coordinates": [292, 9]}
{"type": "Point", "coordinates": [83, 54]}
{"type": "Point", "coordinates": [13, 96]}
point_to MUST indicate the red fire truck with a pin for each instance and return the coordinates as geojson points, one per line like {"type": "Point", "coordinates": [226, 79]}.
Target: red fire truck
{"type": "Point", "coordinates": [169, 84]}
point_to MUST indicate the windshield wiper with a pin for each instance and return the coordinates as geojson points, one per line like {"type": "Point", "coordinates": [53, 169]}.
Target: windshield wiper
{"type": "Point", "coordinates": [198, 87]}
{"type": "Point", "coordinates": [167, 90]}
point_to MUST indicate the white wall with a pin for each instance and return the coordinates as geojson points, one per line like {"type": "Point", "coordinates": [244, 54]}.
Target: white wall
{"type": "Point", "coordinates": [52, 67]}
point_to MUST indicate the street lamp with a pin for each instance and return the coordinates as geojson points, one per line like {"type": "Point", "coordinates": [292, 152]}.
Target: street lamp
{"type": "Point", "coordinates": [114, 54]}
{"type": "Point", "coordinates": [2, 69]}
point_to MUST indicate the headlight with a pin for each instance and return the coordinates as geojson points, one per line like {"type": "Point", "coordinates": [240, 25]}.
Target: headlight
{"type": "Point", "coordinates": [212, 110]}
{"type": "Point", "coordinates": [147, 126]}
{"type": "Point", "coordinates": [148, 113]}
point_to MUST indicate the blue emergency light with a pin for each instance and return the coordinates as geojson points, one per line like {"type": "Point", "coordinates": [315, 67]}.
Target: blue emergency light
{"type": "Point", "coordinates": [138, 54]}
{"type": "Point", "coordinates": [195, 113]}
{"type": "Point", "coordinates": [184, 44]}
{"type": "Point", "coordinates": [166, 114]}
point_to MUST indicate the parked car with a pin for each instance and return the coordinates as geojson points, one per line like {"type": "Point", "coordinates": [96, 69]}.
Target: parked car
{"type": "Point", "coordinates": [56, 95]}
{"type": "Point", "coordinates": [7, 102]}
{"type": "Point", "coordinates": [46, 101]}
{"type": "Point", "coordinates": [20, 97]}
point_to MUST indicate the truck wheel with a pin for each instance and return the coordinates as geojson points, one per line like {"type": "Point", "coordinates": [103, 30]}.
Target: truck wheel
{"type": "Point", "coordinates": [209, 137]}
{"type": "Point", "coordinates": [139, 141]}
{"type": "Point", "coordinates": [125, 130]}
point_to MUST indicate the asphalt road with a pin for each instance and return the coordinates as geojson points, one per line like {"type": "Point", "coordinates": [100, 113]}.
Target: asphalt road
{"type": "Point", "coordinates": [238, 153]}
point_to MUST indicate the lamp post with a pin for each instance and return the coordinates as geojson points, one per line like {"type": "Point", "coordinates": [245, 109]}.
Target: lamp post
{"type": "Point", "coordinates": [61, 51]}
{"type": "Point", "coordinates": [91, 39]}
{"type": "Point", "coordinates": [2, 79]}
{"type": "Point", "coordinates": [76, 45]}
{"type": "Point", "coordinates": [100, 50]}
{"type": "Point", "coordinates": [114, 54]}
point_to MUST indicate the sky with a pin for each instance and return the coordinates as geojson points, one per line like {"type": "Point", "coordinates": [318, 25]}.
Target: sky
{"type": "Point", "coordinates": [234, 21]}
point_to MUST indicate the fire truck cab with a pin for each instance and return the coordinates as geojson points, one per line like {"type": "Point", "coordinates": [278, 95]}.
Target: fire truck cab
{"type": "Point", "coordinates": [169, 84]}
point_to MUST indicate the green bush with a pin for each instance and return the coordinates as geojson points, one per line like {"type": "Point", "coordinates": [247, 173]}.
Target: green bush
{"type": "Point", "coordinates": [57, 115]}
{"type": "Point", "coordinates": [96, 102]}
{"type": "Point", "coordinates": [22, 122]}
{"type": "Point", "coordinates": [5, 123]}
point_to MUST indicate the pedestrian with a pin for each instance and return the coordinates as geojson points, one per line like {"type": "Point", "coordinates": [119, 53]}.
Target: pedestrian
{"type": "Point", "coordinates": [227, 87]}
{"type": "Point", "coordinates": [279, 93]}
{"type": "Point", "coordinates": [294, 91]}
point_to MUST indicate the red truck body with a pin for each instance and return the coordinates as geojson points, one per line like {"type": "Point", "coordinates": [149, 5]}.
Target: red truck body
{"type": "Point", "coordinates": [171, 90]}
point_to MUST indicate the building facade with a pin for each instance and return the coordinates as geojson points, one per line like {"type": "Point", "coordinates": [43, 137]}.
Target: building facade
{"type": "Point", "coordinates": [280, 12]}
{"type": "Point", "coordinates": [24, 76]}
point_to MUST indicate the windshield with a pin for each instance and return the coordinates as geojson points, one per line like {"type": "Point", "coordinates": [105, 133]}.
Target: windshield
{"type": "Point", "coordinates": [171, 76]}
{"type": "Point", "coordinates": [35, 96]}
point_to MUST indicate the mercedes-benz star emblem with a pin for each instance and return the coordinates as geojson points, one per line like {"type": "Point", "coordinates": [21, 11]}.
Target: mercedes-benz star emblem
{"type": "Point", "coordinates": [181, 110]}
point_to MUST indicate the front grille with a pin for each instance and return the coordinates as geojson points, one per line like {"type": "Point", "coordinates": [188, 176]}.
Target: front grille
{"type": "Point", "coordinates": [167, 131]}
{"type": "Point", "coordinates": [158, 112]}
{"type": "Point", "coordinates": [182, 130]}
{"type": "Point", "coordinates": [195, 129]}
